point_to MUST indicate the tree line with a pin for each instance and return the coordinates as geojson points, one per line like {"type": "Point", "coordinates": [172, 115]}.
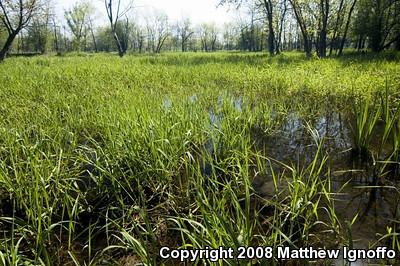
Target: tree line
{"type": "Point", "coordinates": [324, 26]}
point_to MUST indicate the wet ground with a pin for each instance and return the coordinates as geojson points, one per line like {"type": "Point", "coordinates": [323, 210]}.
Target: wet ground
{"type": "Point", "coordinates": [357, 186]}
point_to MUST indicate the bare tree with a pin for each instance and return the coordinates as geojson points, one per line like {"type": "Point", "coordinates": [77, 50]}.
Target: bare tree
{"type": "Point", "coordinates": [157, 29]}
{"type": "Point", "coordinates": [115, 11]}
{"type": "Point", "coordinates": [91, 28]}
{"type": "Point", "coordinates": [162, 30]}
{"type": "Point", "coordinates": [203, 34]}
{"type": "Point", "coordinates": [55, 33]}
{"type": "Point", "coordinates": [268, 7]}
{"type": "Point", "coordinates": [213, 36]}
{"type": "Point", "coordinates": [185, 32]}
{"type": "Point", "coordinates": [15, 15]}
{"type": "Point", "coordinates": [150, 35]}
{"type": "Point", "coordinates": [230, 35]}
{"type": "Point", "coordinates": [208, 33]}
{"type": "Point", "coordinates": [138, 38]}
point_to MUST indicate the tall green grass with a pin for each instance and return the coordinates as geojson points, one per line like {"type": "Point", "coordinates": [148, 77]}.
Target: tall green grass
{"type": "Point", "coordinates": [104, 160]}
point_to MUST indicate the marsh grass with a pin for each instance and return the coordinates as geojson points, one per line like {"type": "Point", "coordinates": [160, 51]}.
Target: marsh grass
{"type": "Point", "coordinates": [367, 114]}
{"type": "Point", "coordinates": [105, 160]}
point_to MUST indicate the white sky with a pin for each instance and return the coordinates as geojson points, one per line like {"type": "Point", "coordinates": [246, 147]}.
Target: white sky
{"type": "Point", "coordinates": [198, 11]}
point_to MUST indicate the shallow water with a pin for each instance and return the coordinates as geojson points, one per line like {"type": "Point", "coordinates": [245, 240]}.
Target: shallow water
{"type": "Point", "coordinates": [355, 190]}
{"type": "Point", "coordinates": [354, 185]}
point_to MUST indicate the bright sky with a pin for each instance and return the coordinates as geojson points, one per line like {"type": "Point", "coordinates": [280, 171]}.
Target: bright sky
{"type": "Point", "coordinates": [197, 10]}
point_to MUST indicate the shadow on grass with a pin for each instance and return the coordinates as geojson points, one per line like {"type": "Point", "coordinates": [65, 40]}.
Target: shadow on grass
{"type": "Point", "coordinates": [258, 58]}
{"type": "Point", "coordinates": [369, 57]}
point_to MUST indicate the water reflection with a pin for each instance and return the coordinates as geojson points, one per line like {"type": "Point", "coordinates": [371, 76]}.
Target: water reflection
{"type": "Point", "coordinates": [357, 187]}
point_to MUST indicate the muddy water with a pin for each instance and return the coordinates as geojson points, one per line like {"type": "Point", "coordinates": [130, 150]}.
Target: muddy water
{"type": "Point", "coordinates": [356, 189]}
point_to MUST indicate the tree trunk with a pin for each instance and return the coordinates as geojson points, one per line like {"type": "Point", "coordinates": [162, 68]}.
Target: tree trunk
{"type": "Point", "coordinates": [93, 37]}
{"type": "Point", "coordinates": [324, 12]}
{"type": "Point", "coordinates": [213, 42]}
{"type": "Point", "coordinates": [7, 45]}
{"type": "Point", "coordinates": [271, 38]}
{"type": "Point", "coordinates": [359, 43]}
{"type": "Point", "coordinates": [336, 29]}
{"type": "Point", "coordinates": [307, 47]}
{"type": "Point", "coordinates": [56, 46]}
{"type": "Point", "coordinates": [322, 44]}
{"type": "Point", "coordinates": [21, 45]}
{"type": "Point", "coordinates": [121, 51]}
{"type": "Point", "coordinates": [271, 33]}
{"type": "Point", "coordinates": [160, 44]}
{"type": "Point", "coordinates": [397, 44]}
{"type": "Point", "coordinates": [303, 29]}
{"type": "Point", "coordinates": [94, 43]}
{"type": "Point", "coordinates": [279, 47]}
{"type": "Point", "coordinates": [346, 28]}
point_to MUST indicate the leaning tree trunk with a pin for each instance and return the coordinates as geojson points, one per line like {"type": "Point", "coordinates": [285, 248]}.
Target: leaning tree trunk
{"type": "Point", "coordinates": [303, 29]}
{"type": "Point", "coordinates": [7, 45]}
{"type": "Point", "coordinates": [336, 29]}
{"type": "Point", "coordinates": [94, 41]}
{"type": "Point", "coordinates": [346, 28]}
{"type": "Point", "coordinates": [121, 51]}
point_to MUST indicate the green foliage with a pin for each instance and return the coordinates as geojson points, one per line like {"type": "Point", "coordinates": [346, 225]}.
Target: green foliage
{"type": "Point", "coordinates": [77, 22]}
{"type": "Point", "coordinates": [105, 160]}
{"type": "Point", "coordinates": [38, 37]}
{"type": "Point", "coordinates": [378, 20]}
{"type": "Point", "coordinates": [366, 118]}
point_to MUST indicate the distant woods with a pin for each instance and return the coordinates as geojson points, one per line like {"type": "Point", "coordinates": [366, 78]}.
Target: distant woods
{"type": "Point", "coordinates": [321, 27]}
{"type": "Point", "coordinates": [328, 26]}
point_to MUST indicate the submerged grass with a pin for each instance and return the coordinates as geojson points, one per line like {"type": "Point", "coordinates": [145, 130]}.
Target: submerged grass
{"type": "Point", "coordinates": [104, 160]}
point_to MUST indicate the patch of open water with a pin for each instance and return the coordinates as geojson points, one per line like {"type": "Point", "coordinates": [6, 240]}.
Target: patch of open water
{"type": "Point", "coordinates": [355, 188]}
{"type": "Point", "coordinates": [353, 182]}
